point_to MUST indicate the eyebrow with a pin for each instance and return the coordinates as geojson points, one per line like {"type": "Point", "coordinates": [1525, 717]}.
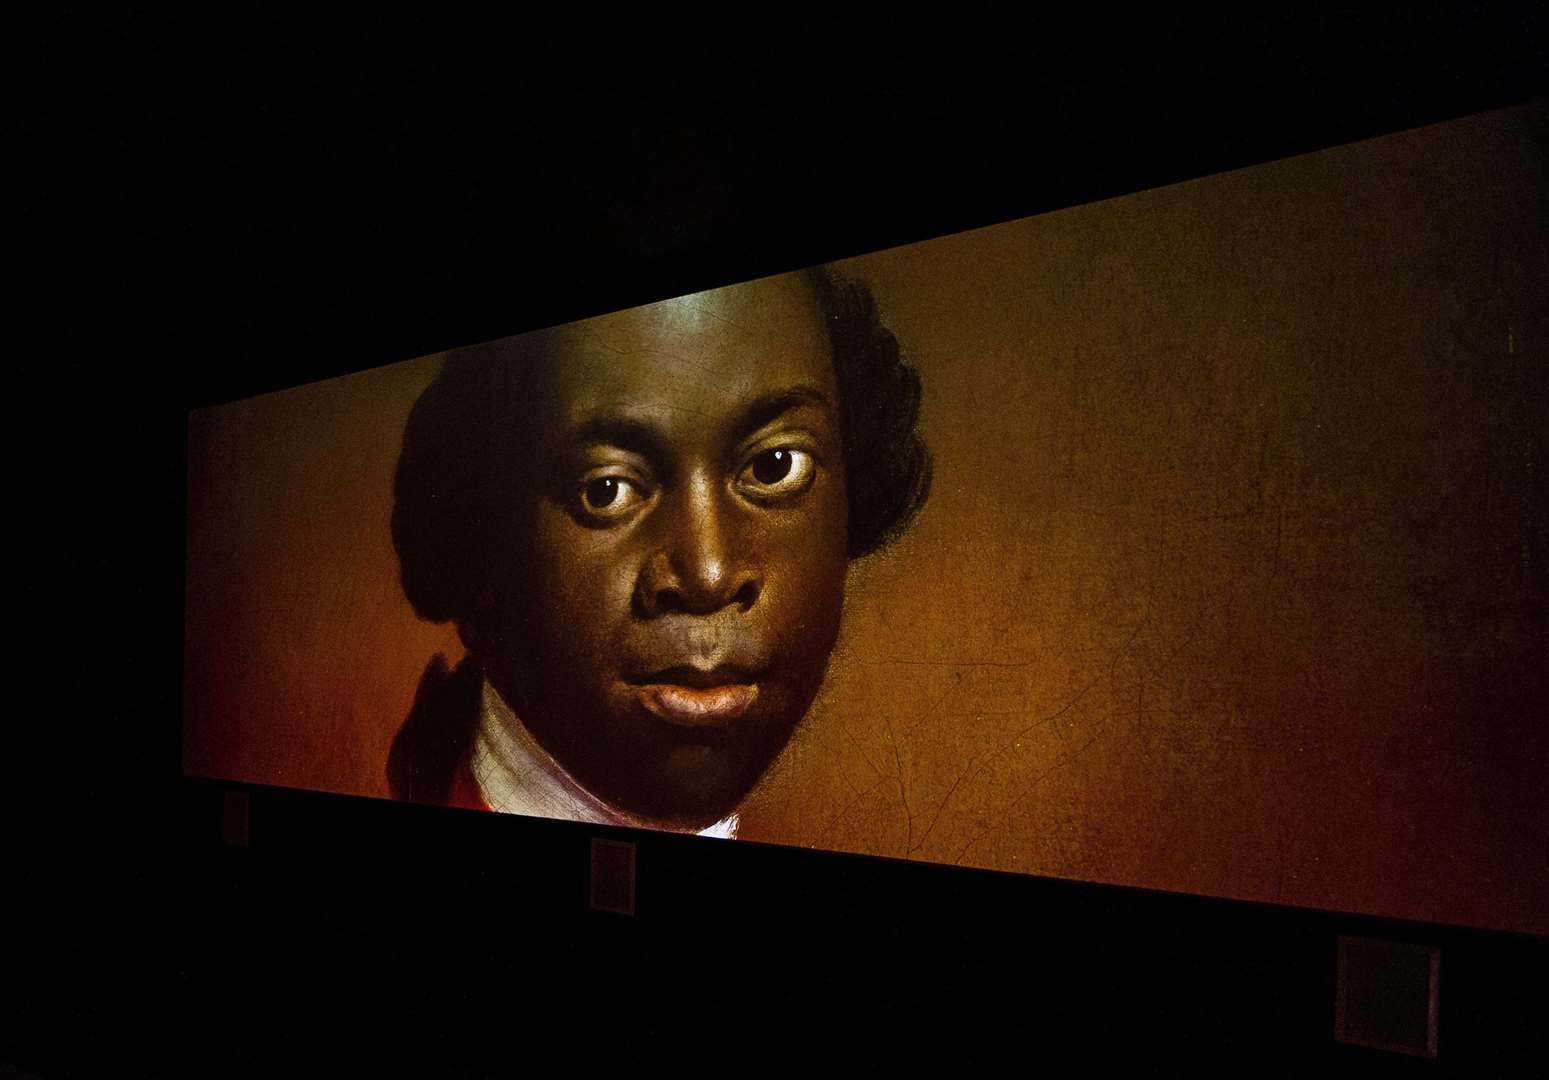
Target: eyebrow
{"type": "Point", "coordinates": [771, 407]}
{"type": "Point", "coordinates": [631, 433]}
{"type": "Point", "coordinates": [640, 435]}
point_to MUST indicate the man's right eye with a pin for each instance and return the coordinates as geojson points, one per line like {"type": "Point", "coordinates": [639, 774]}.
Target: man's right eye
{"type": "Point", "coordinates": [610, 496]}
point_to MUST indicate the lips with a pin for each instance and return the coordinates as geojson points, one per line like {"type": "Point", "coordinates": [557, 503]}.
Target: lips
{"type": "Point", "coordinates": [695, 697]}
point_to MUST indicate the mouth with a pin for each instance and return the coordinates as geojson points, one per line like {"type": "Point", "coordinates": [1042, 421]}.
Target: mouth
{"type": "Point", "coordinates": [696, 697]}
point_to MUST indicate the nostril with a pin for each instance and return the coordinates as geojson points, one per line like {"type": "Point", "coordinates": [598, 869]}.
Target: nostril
{"type": "Point", "coordinates": [747, 595]}
{"type": "Point", "coordinates": [667, 600]}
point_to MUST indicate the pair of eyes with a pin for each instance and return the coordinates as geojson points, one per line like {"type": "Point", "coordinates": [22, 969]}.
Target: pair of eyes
{"type": "Point", "coordinates": [770, 476]}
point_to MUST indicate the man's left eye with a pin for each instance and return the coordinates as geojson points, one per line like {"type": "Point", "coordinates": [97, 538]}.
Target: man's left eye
{"type": "Point", "coordinates": [777, 472]}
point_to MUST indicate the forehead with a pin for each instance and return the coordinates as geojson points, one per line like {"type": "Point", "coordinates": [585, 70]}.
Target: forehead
{"type": "Point", "coordinates": [706, 352]}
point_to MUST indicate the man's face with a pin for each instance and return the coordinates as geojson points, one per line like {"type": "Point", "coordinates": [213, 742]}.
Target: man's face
{"type": "Point", "coordinates": [664, 611]}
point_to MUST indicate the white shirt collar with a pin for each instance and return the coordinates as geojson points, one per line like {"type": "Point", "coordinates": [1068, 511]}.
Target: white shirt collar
{"type": "Point", "coordinates": [517, 776]}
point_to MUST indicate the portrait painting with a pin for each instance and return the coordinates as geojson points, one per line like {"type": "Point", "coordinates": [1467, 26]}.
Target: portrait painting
{"type": "Point", "coordinates": [640, 527]}
{"type": "Point", "coordinates": [1193, 540]}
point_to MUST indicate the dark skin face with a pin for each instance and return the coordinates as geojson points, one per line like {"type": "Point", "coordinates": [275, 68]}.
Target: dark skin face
{"type": "Point", "coordinates": [675, 573]}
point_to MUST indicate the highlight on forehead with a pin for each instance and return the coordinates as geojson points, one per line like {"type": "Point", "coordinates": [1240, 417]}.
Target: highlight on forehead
{"type": "Point", "coordinates": [724, 318]}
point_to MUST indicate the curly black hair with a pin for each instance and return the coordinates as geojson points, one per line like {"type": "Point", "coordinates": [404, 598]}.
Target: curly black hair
{"type": "Point", "coordinates": [462, 438]}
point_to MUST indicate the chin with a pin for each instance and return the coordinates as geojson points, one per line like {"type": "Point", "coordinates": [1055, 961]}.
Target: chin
{"type": "Point", "coordinates": [683, 775]}
{"type": "Point", "coordinates": [697, 785]}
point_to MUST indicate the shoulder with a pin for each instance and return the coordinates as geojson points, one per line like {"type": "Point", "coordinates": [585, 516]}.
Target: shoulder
{"type": "Point", "coordinates": [433, 740]}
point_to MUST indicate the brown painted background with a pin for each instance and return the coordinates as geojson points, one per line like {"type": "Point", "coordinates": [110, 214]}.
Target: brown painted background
{"type": "Point", "coordinates": [1232, 581]}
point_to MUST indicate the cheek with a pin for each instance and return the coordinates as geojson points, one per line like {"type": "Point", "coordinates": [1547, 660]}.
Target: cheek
{"type": "Point", "coordinates": [581, 586]}
{"type": "Point", "coordinates": [806, 566]}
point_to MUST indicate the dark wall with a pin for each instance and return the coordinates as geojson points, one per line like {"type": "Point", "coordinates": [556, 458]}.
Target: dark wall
{"type": "Point", "coordinates": [226, 205]}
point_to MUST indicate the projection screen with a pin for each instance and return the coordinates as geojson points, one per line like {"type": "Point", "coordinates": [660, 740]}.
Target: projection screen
{"type": "Point", "coordinates": [1192, 540]}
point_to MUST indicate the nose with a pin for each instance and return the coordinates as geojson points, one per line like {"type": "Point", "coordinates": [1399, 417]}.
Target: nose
{"type": "Point", "coordinates": [698, 566]}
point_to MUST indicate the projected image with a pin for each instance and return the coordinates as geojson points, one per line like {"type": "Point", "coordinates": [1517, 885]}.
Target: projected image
{"type": "Point", "coordinates": [641, 527]}
{"type": "Point", "coordinates": [1194, 540]}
